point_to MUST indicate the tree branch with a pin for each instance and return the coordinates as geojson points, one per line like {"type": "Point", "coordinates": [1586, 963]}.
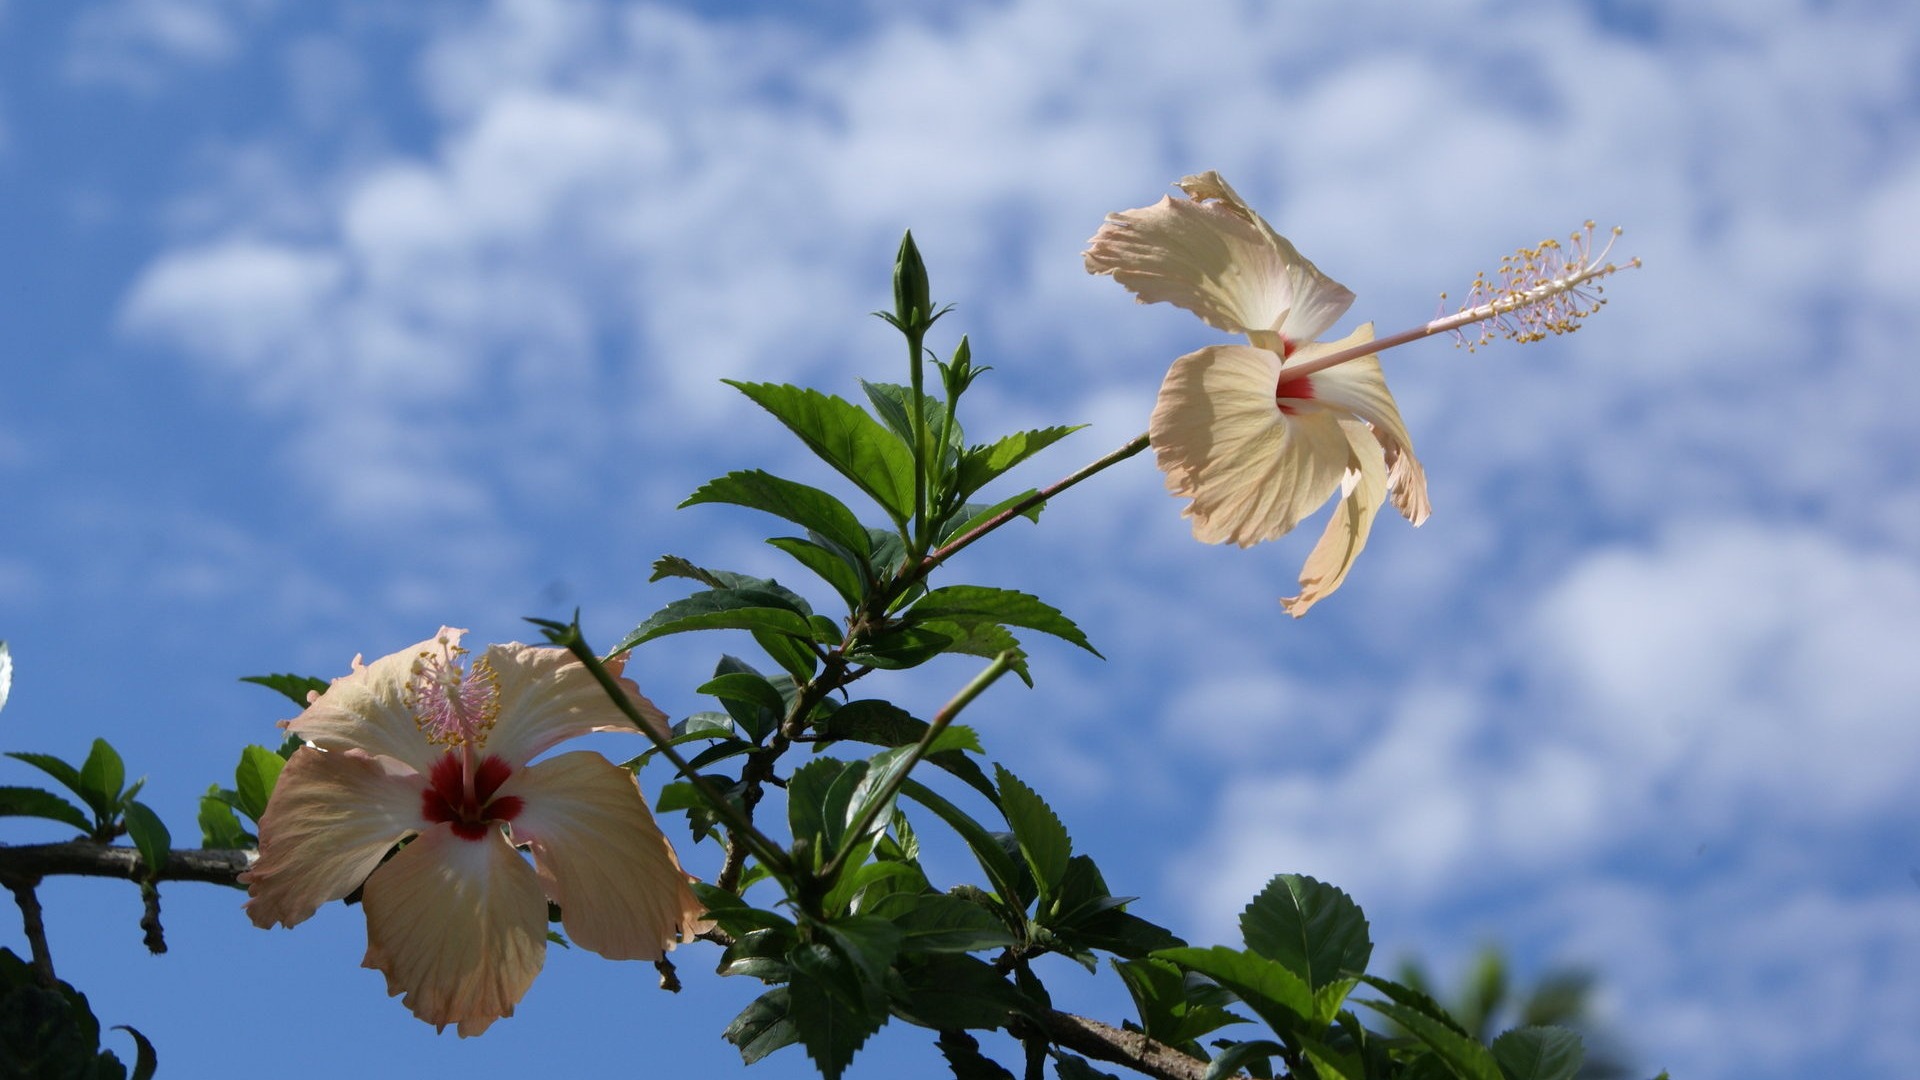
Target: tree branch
{"type": "Point", "coordinates": [1101, 1042]}
{"type": "Point", "coordinates": [26, 864]}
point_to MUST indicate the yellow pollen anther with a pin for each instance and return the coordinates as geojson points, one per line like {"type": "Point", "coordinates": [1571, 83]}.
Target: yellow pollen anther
{"type": "Point", "coordinates": [1540, 290]}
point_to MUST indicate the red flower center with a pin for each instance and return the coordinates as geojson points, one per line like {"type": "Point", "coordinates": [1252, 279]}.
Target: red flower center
{"type": "Point", "coordinates": [471, 812]}
{"type": "Point", "coordinates": [1298, 388]}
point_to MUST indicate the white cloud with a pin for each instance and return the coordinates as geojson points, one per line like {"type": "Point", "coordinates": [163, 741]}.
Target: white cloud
{"type": "Point", "coordinates": [137, 43]}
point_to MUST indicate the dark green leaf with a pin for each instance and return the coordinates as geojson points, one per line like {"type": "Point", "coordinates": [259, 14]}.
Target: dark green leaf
{"type": "Point", "coordinates": [845, 437]}
{"type": "Point", "coordinates": [1043, 839]}
{"type": "Point", "coordinates": [794, 654]}
{"type": "Point", "coordinates": [954, 991]}
{"type": "Point", "coordinates": [892, 403]}
{"type": "Point", "coordinates": [723, 609]}
{"type": "Point", "coordinates": [1069, 1067]}
{"type": "Point", "coordinates": [294, 687]}
{"type": "Point", "coordinates": [973, 515]}
{"type": "Point", "coordinates": [1312, 927]}
{"type": "Point", "coordinates": [1125, 934]}
{"type": "Point", "coordinates": [998, 866]}
{"type": "Point", "coordinates": [102, 778]}
{"type": "Point", "coordinates": [1170, 1011]}
{"type": "Point", "coordinates": [48, 1032]}
{"type": "Point", "coordinates": [830, 563]}
{"type": "Point", "coordinates": [764, 1026]}
{"type": "Point", "coordinates": [978, 603]}
{"type": "Point", "coordinates": [881, 723]}
{"type": "Point", "coordinates": [734, 914]}
{"type": "Point", "coordinates": [1239, 1055]}
{"type": "Point", "coordinates": [1416, 1000]}
{"type": "Point", "coordinates": [831, 1029]}
{"type": "Point", "coordinates": [146, 1061]}
{"type": "Point", "coordinates": [754, 702]}
{"type": "Point", "coordinates": [807, 507]}
{"type": "Point", "coordinates": [870, 943]}
{"type": "Point", "coordinates": [254, 779]}
{"type": "Point", "coordinates": [1464, 1055]}
{"type": "Point", "coordinates": [808, 792]}
{"type": "Point", "coordinates": [150, 835]}
{"type": "Point", "coordinates": [938, 922]}
{"type": "Point", "coordinates": [34, 802]}
{"type": "Point", "coordinates": [760, 954]}
{"type": "Point", "coordinates": [984, 639]}
{"type": "Point", "coordinates": [964, 1058]}
{"type": "Point", "coordinates": [1269, 988]}
{"type": "Point", "coordinates": [1539, 1053]}
{"type": "Point", "coordinates": [899, 648]}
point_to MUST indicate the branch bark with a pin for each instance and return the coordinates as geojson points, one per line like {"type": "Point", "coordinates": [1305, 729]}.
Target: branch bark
{"type": "Point", "coordinates": [1102, 1042]}
{"type": "Point", "coordinates": [26, 864]}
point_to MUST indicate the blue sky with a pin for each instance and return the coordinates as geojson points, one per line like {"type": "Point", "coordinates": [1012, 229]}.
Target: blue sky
{"type": "Point", "coordinates": [326, 325]}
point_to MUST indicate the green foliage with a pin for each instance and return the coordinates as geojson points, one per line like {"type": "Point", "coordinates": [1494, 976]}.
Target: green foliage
{"type": "Point", "coordinates": [50, 1031]}
{"type": "Point", "coordinates": [36, 802]}
{"type": "Point", "coordinates": [294, 687]}
{"type": "Point", "coordinates": [1313, 928]}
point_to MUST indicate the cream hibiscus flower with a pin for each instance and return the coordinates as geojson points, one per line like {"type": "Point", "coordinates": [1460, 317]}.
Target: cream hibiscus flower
{"type": "Point", "coordinates": [1258, 436]}
{"type": "Point", "coordinates": [424, 748]}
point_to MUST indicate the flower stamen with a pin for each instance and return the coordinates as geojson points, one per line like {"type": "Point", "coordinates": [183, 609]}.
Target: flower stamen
{"type": "Point", "coordinates": [453, 706]}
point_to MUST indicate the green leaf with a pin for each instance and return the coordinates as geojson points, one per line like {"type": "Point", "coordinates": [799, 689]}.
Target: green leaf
{"type": "Point", "coordinates": [981, 465]}
{"type": "Point", "coordinates": [103, 776]}
{"type": "Point", "coordinates": [1069, 1067]}
{"type": "Point", "coordinates": [294, 687]}
{"type": "Point", "coordinates": [1416, 1000]}
{"type": "Point", "coordinates": [754, 702]}
{"type": "Point", "coordinates": [733, 913]}
{"type": "Point", "coordinates": [1463, 1054]}
{"type": "Point", "coordinates": [150, 835]}
{"type": "Point", "coordinates": [881, 723]}
{"type": "Point", "coordinates": [48, 1032]}
{"type": "Point", "coordinates": [1239, 1055]}
{"type": "Point", "coordinates": [985, 639]}
{"type": "Point", "coordinates": [146, 1060]}
{"type": "Point", "coordinates": [794, 654]}
{"type": "Point", "coordinates": [809, 791]}
{"type": "Point", "coordinates": [994, 860]}
{"type": "Point", "coordinates": [219, 826]}
{"type": "Point", "coordinates": [973, 515]}
{"type": "Point", "coordinates": [1539, 1053]}
{"type": "Point", "coordinates": [763, 1026]}
{"type": "Point", "coordinates": [898, 648]}
{"type": "Point", "coordinates": [870, 943]}
{"type": "Point", "coordinates": [1312, 927]}
{"type": "Point", "coordinates": [722, 609]}
{"type": "Point", "coordinates": [1275, 994]}
{"type": "Point", "coordinates": [830, 563]}
{"type": "Point", "coordinates": [34, 802]}
{"type": "Point", "coordinates": [254, 779]}
{"type": "Point", "coordinates": [1043, 839]}
{"type": "Point", "coordinates": [57, 768]}
{"type": "Point", "coordinates": [953, 991]}
{"type": "Point", "coordinates": [966, 604]}
{"type": "Point", "coordinates": [963, 1055]}
{"type": "Point", "coordinates": [807, 507]}
{"type": "Point", "coordinates": [845, 437]}
{"type": "Point", "coordinates": [942, 923]}
{"type": "Point", "coordinates": [892, 403]}
{"type": "Point", "coordinates": [1170, 1011]}
{"type": "Point", "coordinates": [831, 1027]}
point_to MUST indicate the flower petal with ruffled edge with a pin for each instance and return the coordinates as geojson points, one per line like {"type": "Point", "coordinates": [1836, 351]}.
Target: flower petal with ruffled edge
{"type": "Point", "coordinates": [547, 697]}
{"type": "Point", "coordinates": [333, 816]}
{"type": "Point", "coordinates": [1251, 470]}
{"type": "Point", "coordinates": [600, 857]}
{"type": "Point", "coordinates": [458, 926]}
{"type": "Point", "coordinates": [1212, 255]}
{"type": "Point", "coordinates": [1359, 387]}
{"type": "Point", "coordinates": [368, 710]}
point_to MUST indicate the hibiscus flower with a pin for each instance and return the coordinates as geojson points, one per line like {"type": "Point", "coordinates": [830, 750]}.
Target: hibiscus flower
{"type": "Point", "coordinates": [1258, 436]}
{"type": "Point", "coordinates": [423, 750]}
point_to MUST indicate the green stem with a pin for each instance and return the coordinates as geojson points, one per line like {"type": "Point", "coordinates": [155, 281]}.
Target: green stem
{"type": "Point", "coordinates": [917, 423]}
{"type": "Point", "coordinates": [988, 676]}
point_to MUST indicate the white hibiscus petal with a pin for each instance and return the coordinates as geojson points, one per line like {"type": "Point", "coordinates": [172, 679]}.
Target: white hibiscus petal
{"type": "Point", "coordinates": [367, 710]}
{"type": "Point", "coordinates": [1201, 256]}
{"type": "Point", "coordinates": [1251, 471]}
{"type": "Point", "coordinates": [458, 926]}
{"type": "Point", "coordinates": [601, 857]}
{"type": "Point", "coordinates": [1346, 533]}
{"type": "Point", "coordinates": [547, 697]}
{"type": "Point", "coordinates": [1360, 387]}
{"type": "Point", "coordinates": [332, 817]}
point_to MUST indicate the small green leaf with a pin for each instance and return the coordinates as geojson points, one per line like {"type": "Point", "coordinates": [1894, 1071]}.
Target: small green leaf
{"type": "Point", "coordinates": [34, 802]}
{"type": "Point", "coordinates": [978, 603]}
{"type": "Point", "coordinates": [973, 515]}
{"type": "Point", "coordinates": [994, 860]}
{"type": "Point", "coordinates": [795, 655]}
{"type": "Point", "coordinates": [1239, 1055]}
{"type": "Point", "coordinates": [939, 922]}
{"type": "Point", "coordinates": [1170, 1011]}
{"type": "Point", "coordinates": [150, 835]}
{"type": "Point", "coordinates": [254, 779]}
{"type": "Point", "coordinates": [892, 403]}
{"type": "Point", "coordinates": [981, 465]}
{"type": "Point", "coordinates": [813, 802]}
{"type": "Point", "coordinates": [1069, 1067]}
{"type": "Point", "coordinates": [1043, 839]}
{"type": "Point", "coordinates": [146, 1061]}
{"type": "Point", "coordinates": [1539, 1053]}
{"type": "Point", "coordinates": [881, 723]}
{"type": "Point", "coordinates": [845, 437]}
{"type": "Point", "coordinates": [750, 698]}
{"type": "Point", "coordinates": [952, 991]}
{"type": "Point", "coordinates": [219, 826]}
{"type": "Point", "coordinates": [103, 776]}
{"type": "Point", "coordinates": [294, 687]}
{"type": "Point", "coordinates": [808, 507]}
{"type": "Point", "coordinates": [899, 648]}
{"type": "Point", "coordinates": [831, 1028]}
{"type": "Point", "coordinates": [1312, 927]}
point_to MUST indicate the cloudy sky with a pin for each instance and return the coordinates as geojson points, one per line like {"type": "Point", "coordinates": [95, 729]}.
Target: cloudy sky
{"type": "Point", "coordinates": [325, 325]}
